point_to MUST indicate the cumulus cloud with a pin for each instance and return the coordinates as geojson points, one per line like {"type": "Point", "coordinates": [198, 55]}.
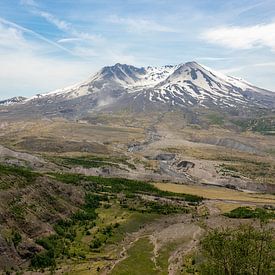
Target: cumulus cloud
{"type": "Point", "coordinates": [237, 37]}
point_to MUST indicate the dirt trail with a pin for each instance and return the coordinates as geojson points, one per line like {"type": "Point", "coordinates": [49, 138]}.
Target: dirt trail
{"type": "Point", "coordinates": [176, 259]}
{"type": "Point", "coordinates": [122, 255]}
{"type": "Point", "coordinates": [162, 232]}
{"type": "Point", "coordinates": [154, 241]}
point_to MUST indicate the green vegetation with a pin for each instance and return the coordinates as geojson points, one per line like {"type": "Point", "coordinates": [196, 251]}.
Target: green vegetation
{"type": "Point", "coordinates": [102, 193]}
{"type": "Point", "coordinates": [263, 125]}
{"type": "Point", "coordinates": [215, 119]}
{"type": "Point", "coordinates": [83, 233]}
{"type": "Point", "coordinates": [163, 256]}
{"type": "Point", "coordinates": [256, 170]}
{"type": "Point", "coordinates": [136, 203]}
{"type": "Point", "coordinates": [44, 259]}
{"type": "Point", "coordinates": [139, 260]}
{"type": "Point", "coordinates": [15, 176]}
{"type": "Point", "coordinates": [133, 222]}
{"type": "Point", "coordinates": [16, 238]}
{"type": "Point", "coordinates": [249, 213]}
{"type": "Point", "coordinates": [61, 243]}
{"type": "Point", "coordinates": [244, 250]}
{"type": "Point", "coordinates": [118, 185]}
{"type": "Point", "coordinates": [91, 161]}
{"type": "Point", "coordinates": [85, 162]}
{"type": "Point", "coordinates": [16, 208]}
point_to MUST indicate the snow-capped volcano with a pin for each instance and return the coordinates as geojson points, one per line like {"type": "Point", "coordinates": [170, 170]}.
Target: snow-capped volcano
{"type": "Point", "coordinates": [131, 77]}
{"type": "Point", "coordinates": [194, 84]}
{"type": "Point", "coordinates": [119, 76]}
{"type": "Point", "coordinates": [187, 85]}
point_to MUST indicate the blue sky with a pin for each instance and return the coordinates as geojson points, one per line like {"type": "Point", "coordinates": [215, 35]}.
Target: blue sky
{"type": "Point", "coordinates": [45, 45]}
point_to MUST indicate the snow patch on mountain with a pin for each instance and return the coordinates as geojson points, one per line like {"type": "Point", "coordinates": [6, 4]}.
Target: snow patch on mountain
{"type": "Point", "coordinates": [188, 84]}
{"type": "Point", "coordinates": [12, 101]}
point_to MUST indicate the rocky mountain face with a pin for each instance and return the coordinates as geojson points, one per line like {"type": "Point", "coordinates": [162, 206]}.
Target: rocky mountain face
{"type": "Point", "coordinates": [123, 86]}
{"type": "Point", "coordinates": [12, 100]}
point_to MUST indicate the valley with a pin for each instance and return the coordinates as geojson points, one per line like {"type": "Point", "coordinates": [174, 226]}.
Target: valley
{"type": "Point", "coordinates": [70, 159]}
{"type": "Point", "coordinates": [133, 185]}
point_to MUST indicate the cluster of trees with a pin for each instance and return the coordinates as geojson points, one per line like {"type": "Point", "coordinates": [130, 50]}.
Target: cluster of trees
{"type": "Point", "coordinates": [11, 176]}
{"type": "Point", "coordinates": [58, 244]}
{"type": "Point", "coordinates": [97, 188]}
{"type": "Point", "coordinates": [239, 251]}
{"type": "Point", "coordinates": [156, 207]}
{"type": "Point", "coordinates": [104, 235]}
{"type": "Point", "coordinates": [118, 185]}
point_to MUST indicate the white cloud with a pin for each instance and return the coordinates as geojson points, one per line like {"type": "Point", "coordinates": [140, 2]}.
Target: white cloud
{"type": "Point", "coordinates": [26, 69]}
{"type": "Point", "coordinates": [236, 37]}
{"type": "Point", "coordinates": [29, 3]}
{"type": "Point", "coordinates": [66, 26]}
{"type": "Point", "coordinates": [16, 31]}
{"type": "Point", "coordinates": [140, 24]}
{"type": "Point", "coordinates": [62, 24]}
{"type": "Point", "coordinates": [28, 66]}
{"type": "Point", "coordinates": [27, 74]}
{"type": "Point", "coordinates": [11, 38]}
{"type": "Point", "coordinates": [69, 40]}
{"type": "Point", "coordinates": [82, 44]}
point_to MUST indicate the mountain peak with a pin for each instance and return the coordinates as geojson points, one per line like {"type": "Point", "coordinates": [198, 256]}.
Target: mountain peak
{"type": "Point", "coordinates": [185, 85]}
{"type": "Point", "coordinates": [192, 64]}
{"type": "Point", "coordinates": [13, 100]}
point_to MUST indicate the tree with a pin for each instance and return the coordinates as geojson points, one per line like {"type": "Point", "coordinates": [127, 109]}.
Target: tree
{"type": "Point", "coordinates": [244, 250]}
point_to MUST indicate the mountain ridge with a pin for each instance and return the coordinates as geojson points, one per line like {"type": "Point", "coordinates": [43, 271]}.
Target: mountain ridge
{"type": "Point", "coordinates": [186, 85]}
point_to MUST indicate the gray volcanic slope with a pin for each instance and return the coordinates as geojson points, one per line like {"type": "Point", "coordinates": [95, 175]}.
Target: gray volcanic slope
{"type": "Point", "coordinates": [121, 86]}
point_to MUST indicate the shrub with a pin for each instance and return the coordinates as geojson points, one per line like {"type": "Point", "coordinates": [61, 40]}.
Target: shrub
{"type": "Point", "coordinates": [249, 213]}
{"type": "Point", "coordinates": [16, 238]}
{"type": "Point", "coordinates": [43, 259]}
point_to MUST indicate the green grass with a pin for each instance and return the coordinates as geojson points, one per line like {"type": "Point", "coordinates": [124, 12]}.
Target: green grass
{"type": "Point", "coordinates": [164, 254]}
{"type": "Point", "coordinates": [139, 260]}
{"type": "Point", "coordinates": [132, 223]}
{"type": "Point", "coordinates": [249, 213]}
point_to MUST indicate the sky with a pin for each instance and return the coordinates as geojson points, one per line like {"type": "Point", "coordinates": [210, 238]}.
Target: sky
{"type": "Point", "coordinates": [50, 44]}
